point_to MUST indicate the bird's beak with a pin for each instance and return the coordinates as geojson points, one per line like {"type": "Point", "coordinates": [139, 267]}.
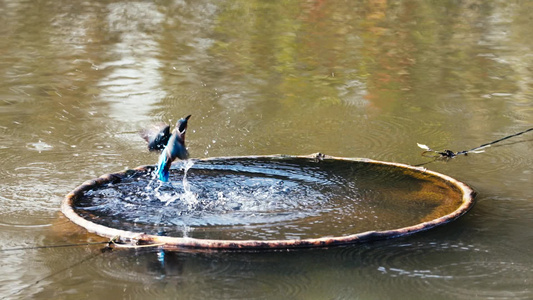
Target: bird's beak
{"type": "Point", "coordinates": [182, 124]}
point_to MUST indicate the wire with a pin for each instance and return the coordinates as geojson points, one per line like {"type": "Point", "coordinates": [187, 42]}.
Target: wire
{"type": "Point", "coordinates": [496, 141]}
{"type": "Point", "coordinates": [85, 259]}
{"type": "Point", "coordinates": [52, 246]}
{"type": "Point", "coordinates": [449, 154]}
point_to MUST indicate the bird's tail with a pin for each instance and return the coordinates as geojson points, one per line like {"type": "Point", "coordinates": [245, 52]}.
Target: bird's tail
{"type": "Point", "coordinates": [163, 167]}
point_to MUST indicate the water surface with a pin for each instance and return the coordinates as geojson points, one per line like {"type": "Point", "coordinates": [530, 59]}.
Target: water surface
{"type": "Point", "coordinates": [268, 198]}
{"type": "Point", "coordinates": [353, 79]}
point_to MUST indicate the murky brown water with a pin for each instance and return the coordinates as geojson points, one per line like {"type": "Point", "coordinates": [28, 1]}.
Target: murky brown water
{"type": "Point", "coordinates": [355, 79]}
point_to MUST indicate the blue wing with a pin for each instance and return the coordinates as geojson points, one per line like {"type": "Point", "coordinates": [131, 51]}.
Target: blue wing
{"type": "Point", "coordinates": [157, 136]}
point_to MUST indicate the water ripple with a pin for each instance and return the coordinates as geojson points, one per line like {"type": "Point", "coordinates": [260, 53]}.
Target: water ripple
{"type": "Point", "coordinates": [458, 270]}
{"type": "Point", "coordinates": [474, 275]}
{"type": "Point", "coordinates": [388, 135]}
{"type": "Point", "coordinates": [238, 275]}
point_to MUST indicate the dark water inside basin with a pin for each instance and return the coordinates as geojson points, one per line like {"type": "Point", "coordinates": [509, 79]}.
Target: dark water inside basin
{"type": "Point", "coordinates": [270, 198]}
{"type": "Point", "coordinates": [367, 78]}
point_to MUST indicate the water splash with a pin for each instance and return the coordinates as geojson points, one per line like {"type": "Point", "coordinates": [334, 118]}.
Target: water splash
{"type": "Point", "coordinates": [166, 193]}
{"type": "Point", "coordinates": [264, 198]}
{"type": "Point", "coordinates": [188, 196]}
{"type": "Point", "coordinates": [39, 146]}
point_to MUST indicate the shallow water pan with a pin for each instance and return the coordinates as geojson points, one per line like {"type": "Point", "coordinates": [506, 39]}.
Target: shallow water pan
{"type": "Point", "coordinates": [267, 202]}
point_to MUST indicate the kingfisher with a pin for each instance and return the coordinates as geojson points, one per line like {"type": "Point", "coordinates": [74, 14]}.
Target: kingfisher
{"type": "Point", "coordinates": [171, 145]}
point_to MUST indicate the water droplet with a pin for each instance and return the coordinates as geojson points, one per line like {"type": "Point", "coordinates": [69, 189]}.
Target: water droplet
{"type": "Point", "coordinates": [39, 146]}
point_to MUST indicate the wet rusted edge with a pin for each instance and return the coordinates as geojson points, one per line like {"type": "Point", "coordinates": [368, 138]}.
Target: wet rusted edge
{"type": "Point", "coordinates": [177, 243]}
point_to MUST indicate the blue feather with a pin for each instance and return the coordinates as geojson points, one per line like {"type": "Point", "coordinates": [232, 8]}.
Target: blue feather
{"type": "Point", "coordinates": [163, 167]}
{"type": "Point", "coordinates": [174, 147]}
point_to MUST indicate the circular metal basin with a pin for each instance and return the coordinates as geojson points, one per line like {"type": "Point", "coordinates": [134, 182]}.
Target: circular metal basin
{"type": "Point", "coordinates": [267, 202]}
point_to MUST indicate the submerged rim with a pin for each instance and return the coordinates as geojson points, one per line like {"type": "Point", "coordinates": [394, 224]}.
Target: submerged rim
{"type": "Point", "coordinates": [176, 243]}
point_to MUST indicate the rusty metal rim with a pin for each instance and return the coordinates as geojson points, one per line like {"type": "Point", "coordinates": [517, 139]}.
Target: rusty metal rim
{"type": "Point", "coordinates": [177, 243]}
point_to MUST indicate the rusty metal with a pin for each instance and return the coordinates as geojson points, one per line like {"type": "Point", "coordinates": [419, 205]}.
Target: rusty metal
{"type": "Point", "coordinates": [183, 243]}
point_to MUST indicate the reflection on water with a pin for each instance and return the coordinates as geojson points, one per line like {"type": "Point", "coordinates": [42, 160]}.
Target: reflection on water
{"type": "Point", "coordinates": [356, 79]}
{"type": "Point", "coordinates": [132, 86]}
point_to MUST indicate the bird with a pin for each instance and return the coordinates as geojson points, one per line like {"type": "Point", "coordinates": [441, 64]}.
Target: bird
{"type": "Point", "coordinates": [171, 145]}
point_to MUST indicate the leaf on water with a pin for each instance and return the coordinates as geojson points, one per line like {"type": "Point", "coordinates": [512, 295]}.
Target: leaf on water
{"type": "Point", "coordinates": [424, 147]}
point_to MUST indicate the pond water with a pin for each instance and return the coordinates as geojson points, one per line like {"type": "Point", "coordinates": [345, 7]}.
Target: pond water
{"type": "Point", "coordinates": [352, 79]}
{"type": "Point", "coordinates": [269, 198]}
